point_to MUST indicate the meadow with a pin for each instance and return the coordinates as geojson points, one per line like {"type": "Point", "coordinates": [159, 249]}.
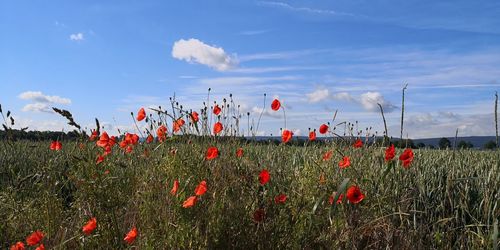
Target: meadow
{"type": "Point", "coordinates": [192, 185]}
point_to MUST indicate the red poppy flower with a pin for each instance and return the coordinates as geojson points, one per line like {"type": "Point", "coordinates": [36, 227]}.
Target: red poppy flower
{"type": "Point", "coordinates": [131, 235]}
{"type": "Point", "coordinates": [358, 143]}
{"type": "Point", "coordinates": [112, 141]}
{"type": "Point", "coordinates": [18, 246]}
{"type": "Point", "coordinates": [275, 105]}
{"type": "Point", "coordinates": [107, 150]}
{"type": "Point", "coordinates": [93, 136]}
{"type": "Point", "coordinates": [280, 199]}
{"type": "Point", "coordinates": [201, 188]}
{"type": "Point", "coordinates": [286, 136]}
{"type": "Point", "coordinates": [175, 187]}
{"type": "Point", "coordinates": [56, 145]}
{"type": "Point", "coordinates": [264, 177]}
{"type": "Point", "coordinates": [323, 129]}
{"type": "Point", "coordinates": [129, 149]}
{"type": "Point", "coordinates": [161, 133]}
{"type": "Point", "coordinates": [327, 155]}
{"type": "Point", "coordinates": [217, 128]}
{"type": "Point", "coordinates": [150, 138]}
{"type": "Point", "coordinates": [354, 194]}
{"type": "Point", "coordinates": [178, 124]}
{"type": "Point", "coordinates": [189, 202]}
{"type": "Point", "coordinates": [239, 152]}
{"type": "Point", "coordinates": [134, 138]}
{"type": "Point", "coordinates": [390, 153]}
{"type": "Point", "coordinates": [103, 140]}
{"type": "Point", "coordinates": [194, 117]}
{"type": "Point", "coordinates": [406, 157]}
{"type": "Point", "coordinates": [312, 136]}
{"type": "Point", "coordinates": [339, 200]}
{"type": "Point", "coordinates": [100, 159]}
{"type": "Point", "coordinates": [217, 109]}
{"type": "Point", "coordinates": [212, 153]}
{"type": "Point", "coordinates": [90, 226]}
{"type": "Point", "coordinates": [141, 114]}
{"type": "Point", "coordinates": [345, 162]}
{"type": "Point", "coordinates": [259, 215]}
{"type": "Point", "coordinates": [34, 238]}
{"type": "Point", "coordinates": [40, 247]}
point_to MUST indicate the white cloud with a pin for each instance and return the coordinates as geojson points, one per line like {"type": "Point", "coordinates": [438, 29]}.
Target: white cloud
{"type": "Point", "coordinates": [42, 125]}
{"type": "Point", "coordinates": [245, 80]}
{"type": "Point", "coordinates": [318, 95]}
{"type": "Point", "coordinates": [37, 107]}
{"type": "Point", "coordinates": [41, 102]}
{"type": "Point", "coordinates": [303, 9]}
{"type": "Point", "coordinates": [194, 50]}
{"type": "Point", "coordinates": [429, 125]}
{"type": "Point", "coordinates": [267, 112]}
{"type": "Point", "coordinates": [370, 101]}
{"type": "Point", "coordinates": [39, 97]}
{"type": "Point", "coordinates": [367, 100]}
{"type": "Point", "coordinates": [253, 32]}
{"type": "Point", "coordinates": [76, 37]}
{"type": "Point", "coordinates": [282, 55]}
{"type": "Point", "coordinates": [343, 96]}
{"type": "Point", "coordinates": [257, 70]}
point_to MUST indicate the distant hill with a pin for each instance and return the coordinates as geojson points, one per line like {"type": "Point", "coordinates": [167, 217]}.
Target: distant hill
{"type": "Point", "coordinates": [477, 141]}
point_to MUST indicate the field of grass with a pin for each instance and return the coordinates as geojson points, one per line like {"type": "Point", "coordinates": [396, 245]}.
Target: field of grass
{"type": "Point", "coordinates": [444, 199]}
{"type": "Point", "coordinates": [202, 185]}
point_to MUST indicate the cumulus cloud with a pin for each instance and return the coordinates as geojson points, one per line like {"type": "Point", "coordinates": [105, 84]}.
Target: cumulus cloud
{"type": "Point", "coordinates": [39, 97]}
{"type": "Point", "coordinates": [266, 112]}
{"type": "Point", "coordinates": [76, 37]}
{"type": "Point", "coordinates": [37, 107]}
{"type": "Point", "coordinates": [318, 95]}
{"type": "Point", "coordinates": [297, 132]}
{"type": "Point", "coordinates": [195, 51]}
{"type": "Point", "coordinates": [343, 96]}
{"type": "Point", "coordinates": [369, 100]}
{"type": "Point", "coordinates": [41, 102]}
{"type": "Point", "coordinates": [428, 125]}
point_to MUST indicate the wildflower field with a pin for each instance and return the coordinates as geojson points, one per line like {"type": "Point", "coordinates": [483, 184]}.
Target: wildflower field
{"type": "Point", "coordinates": [185, 180]}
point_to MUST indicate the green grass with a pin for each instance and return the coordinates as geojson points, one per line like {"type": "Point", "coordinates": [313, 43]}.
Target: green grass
{"type": "Point", "coordinates": [445, 199]}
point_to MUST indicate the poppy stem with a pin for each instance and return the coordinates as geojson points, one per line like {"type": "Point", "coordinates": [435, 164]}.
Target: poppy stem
{"type": "Point", "coordinates": [402, 111]}
{"type": "Point", "coordinates": [260, 117]}
{"type": "Point", "coordinates": [284, 115]}
{"type": "Point", "coordinates": [133, 118]}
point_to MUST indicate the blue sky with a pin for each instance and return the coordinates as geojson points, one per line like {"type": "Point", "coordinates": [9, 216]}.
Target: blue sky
{"type": "Point", "coordinates": [106, 59]}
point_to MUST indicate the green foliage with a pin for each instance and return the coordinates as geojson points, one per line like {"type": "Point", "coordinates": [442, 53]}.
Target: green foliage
{"type": "Point", "coordinates": [464, 145]}
{"type": "Point", "coordinates": [490, 145]}
{"type": "Point", "coordinates": [444, 143]}
{"type": "Point", "coordinates": [443, 200]}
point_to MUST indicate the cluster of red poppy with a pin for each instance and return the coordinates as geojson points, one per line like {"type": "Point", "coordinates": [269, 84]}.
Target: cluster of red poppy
{"type": "Point", "coordinates": [264, 178]}
{"type": "Point", "coordinates": [106, 142]}
{"type": "Point", "coordinates": [200, 190]}
{"type": "Point", "coordinates": [406, 157]}
{"type": "Point", "coordinates": [56, 145]}
{"type": "Point", "coordinates": [32, 240]}
{"type": "Point", "coordinates": [91, 225]}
